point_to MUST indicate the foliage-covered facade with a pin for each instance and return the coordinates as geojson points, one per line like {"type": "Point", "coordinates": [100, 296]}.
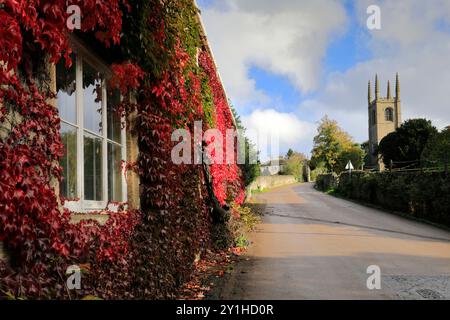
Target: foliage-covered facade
{"type": "Point", "coordinates": [155, 56]}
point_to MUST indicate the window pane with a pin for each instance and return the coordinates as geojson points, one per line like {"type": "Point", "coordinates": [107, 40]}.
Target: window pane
{"type": "Point", "coordinates": [389, 114]}
{"type": "Point", "coordinates": [66, 90]}
{"type": "Point", "coordinates": [114, 123]}
{"type": "Point", "coordinates": [92, 93]}
{"type": "Point", "coordinates": [93, 168]}
{"type": "Point", "coordinates": [69, 162]}
{"type": "Point", "coordinates": [114, 172]}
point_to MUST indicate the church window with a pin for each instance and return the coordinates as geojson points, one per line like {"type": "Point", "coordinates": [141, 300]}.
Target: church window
{"type": "Point", "coordinates": [389, 114]}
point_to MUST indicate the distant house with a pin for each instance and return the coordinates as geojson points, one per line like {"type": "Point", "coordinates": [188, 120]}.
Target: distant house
{"type": "Point", "coordinates": [272, 167]}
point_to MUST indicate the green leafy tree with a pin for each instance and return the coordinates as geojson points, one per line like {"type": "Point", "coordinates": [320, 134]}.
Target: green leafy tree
{"type": "Point", "coordinates": [289, 153]}
{"type": "Point", "coordinates": [404, 147]}
{"type": "Point", "coordinates": [294, 164]}
{"type": "Point", "coordinates": [250, 170]}
{"type": "Point", "coordinates": [329, 143]}
{"type": "Point", "coordinates": [437, 150]}
{"type": "Point", "coordinates": [355, 154]}
{"type": "Point", "coordinates": [365, 147]}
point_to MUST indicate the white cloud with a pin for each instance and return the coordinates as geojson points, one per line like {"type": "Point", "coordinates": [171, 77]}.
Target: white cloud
{"type": "Point", "coordinates": [410, 42]}
{"type": "Point", "coordinates": [407, 23]}
{"type": "Point", "coordinates": [283, 130]}
{"type": "Point", "coordinates": [285, 37]}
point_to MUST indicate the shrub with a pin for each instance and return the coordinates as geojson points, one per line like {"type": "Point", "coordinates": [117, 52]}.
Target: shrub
{"type": "Point", "coordinates": [242, 221]}
{"type": "Point", "coordinates": [326, 182]}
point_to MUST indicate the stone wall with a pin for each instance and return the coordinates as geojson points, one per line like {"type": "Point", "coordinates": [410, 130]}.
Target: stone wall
{"type": "Point", "coordinates": [271, 170]}
{"type": "Point", "coordinates": [267, 182]}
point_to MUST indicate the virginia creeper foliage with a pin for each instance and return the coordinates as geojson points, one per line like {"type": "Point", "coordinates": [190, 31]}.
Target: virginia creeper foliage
{"type": "Point", "coordinates": [136, 254]}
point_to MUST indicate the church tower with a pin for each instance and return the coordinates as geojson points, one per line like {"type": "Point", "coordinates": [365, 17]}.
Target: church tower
{"type": "Point", "coordinates": [385, 115]}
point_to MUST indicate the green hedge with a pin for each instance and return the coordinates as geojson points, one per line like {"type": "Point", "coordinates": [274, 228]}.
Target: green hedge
{"type": "Point", "coordinates": [423, 195]}
{"type": "Point", "coordinates": [326, 182]}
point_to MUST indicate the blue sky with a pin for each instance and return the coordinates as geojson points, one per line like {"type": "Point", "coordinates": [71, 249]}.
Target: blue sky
{"type": "Point", "coordinates": [287, 63]}
{"type": "Point", "coordinates": [349, 49]}
{"type": "Point", "coordinates": [203, 4]}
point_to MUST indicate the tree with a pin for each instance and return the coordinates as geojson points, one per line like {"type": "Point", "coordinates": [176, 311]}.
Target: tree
{"type": "Point", "coordinates": [390, 150]}
{"type": "Point", "coordinates": [355, 154]}
{"type": "Point", "coordinates": [289, 153]}
{"type": "Point", "coordinates": [294, 164]}
{"type": "Point", "coordinates": [329, 144]}
{"type": "Point", "coordinates": [437, 150]}
{"type": "Point", "coordinates": [365, 147]}
{"type": "Point", "coordinates": [250, 171]}
{"type": "Point", "coordinates": [404, 146]}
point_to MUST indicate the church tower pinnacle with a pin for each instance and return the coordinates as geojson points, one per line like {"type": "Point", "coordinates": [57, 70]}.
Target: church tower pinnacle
{"type": "Point", "coordinates": [377, 88]}
{"type": "Point", "coordinates": [397, 88]}
{"type": "Point", "coordinates": [389, 90]}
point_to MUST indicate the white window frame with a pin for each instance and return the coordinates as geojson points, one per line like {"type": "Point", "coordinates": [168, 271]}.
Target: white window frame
{"type": "Point", "coordinates": [82, 205]}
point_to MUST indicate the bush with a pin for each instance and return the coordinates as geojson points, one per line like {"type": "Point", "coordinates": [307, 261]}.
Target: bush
{"type": "Point", "coordinates": [240, 221]}
{"type": "Point", "coordinates": [294, 165]}
{"type": "Point", "coordinates": [316, 171]}
{"type": "Point", "coordinates": [326, 182]}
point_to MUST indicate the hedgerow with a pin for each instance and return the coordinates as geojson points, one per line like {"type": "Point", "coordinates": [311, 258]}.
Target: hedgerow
{"type": "Point", "coordinates": [423, 195]}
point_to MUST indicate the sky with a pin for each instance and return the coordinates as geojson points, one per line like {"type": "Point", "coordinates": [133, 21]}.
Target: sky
{"type": "Point", "coordinates": [286, 64]}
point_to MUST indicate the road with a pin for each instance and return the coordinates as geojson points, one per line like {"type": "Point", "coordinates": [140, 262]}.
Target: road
{"type": "Point", "coordinates": [314, 246]}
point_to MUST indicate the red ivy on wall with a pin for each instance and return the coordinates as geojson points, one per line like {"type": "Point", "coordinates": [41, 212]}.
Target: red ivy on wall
{"type": "Point", "coordinates": [135, 254]}
{"type": "Point", "coordinates": [227, 178]}
{"type": "Point", "coordinates": [39, 237]}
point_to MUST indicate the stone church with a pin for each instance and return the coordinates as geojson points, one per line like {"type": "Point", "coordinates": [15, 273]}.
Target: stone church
{"type": "Point", "coordinates": [385, 115]}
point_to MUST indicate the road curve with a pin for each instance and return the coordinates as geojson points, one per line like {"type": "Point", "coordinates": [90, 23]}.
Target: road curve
{"type": "Point", "coordinates": [314, 246]}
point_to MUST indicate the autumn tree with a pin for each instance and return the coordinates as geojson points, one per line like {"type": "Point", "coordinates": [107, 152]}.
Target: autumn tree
{"type": "Point", "coordinates": [355, 154]}
{"type": "Point", "coordinates": [333, 146]}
